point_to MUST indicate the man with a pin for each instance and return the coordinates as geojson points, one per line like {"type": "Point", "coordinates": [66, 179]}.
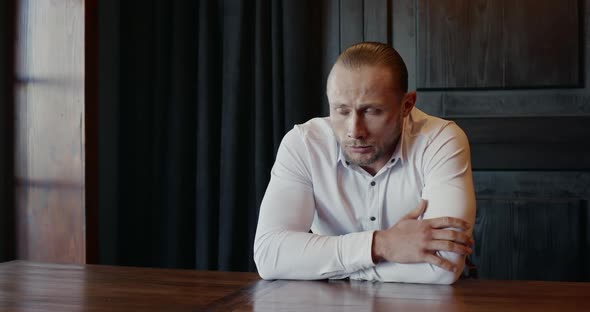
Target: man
{"type": "Point", "coordinates": [386, 189]}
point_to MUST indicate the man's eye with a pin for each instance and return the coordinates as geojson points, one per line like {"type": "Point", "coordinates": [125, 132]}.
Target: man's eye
{"type": "Point", "coordinates": [342, 111]}
{"type": "Point", "coordinates": [372, 111]}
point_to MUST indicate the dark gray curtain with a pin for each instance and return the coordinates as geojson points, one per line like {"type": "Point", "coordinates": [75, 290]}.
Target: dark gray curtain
{"type": "Point", "coordinates": [195, 97]}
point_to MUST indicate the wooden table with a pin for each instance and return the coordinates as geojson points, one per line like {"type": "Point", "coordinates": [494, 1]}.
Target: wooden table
{"type": "Point", "coordinates": [27, 286]}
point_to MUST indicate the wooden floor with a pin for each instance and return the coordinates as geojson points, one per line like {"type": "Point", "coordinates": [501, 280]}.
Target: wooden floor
{"type": "Point", "coordinates": [27, 286]}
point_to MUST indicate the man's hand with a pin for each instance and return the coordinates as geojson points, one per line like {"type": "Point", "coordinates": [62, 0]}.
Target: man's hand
{"type": "Point", "coordinates": [414, 241]}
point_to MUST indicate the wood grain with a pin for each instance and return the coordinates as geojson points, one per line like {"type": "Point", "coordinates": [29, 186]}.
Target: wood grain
{"type": "Point", "coordinates": [351, 23]}
{"type": "Point", "coordinates": [498, 44]}
{"type": "Point", "coordinates": [456, 43]}
{"type": "Point", "coordinates": [513, 158]}
{"type": "Point", "coordinates": [530, 156]}
{"type": "Point", "coordinates": [541, 43]}
{"type": "Point", "coordinates": [50, 124]}
{"type": "Point", "coordinates": [465, 295]}
{"type": "Point", "coordinates": [377, 21]}
{"type": "Point", "coordinates": [521, 103]}
{"type": "Point", "coordinates": [547, 130]}
{"type": "Point", "coordinates": [453, 103]}
{"type": "Point", "coordinates": [525, 239]}
{"type": "Point", "coordinates": [51, 287]}
{"type": "Point", "coordinates": [528, 142]}
{"type": "Point", "coordinates": [532, 184]}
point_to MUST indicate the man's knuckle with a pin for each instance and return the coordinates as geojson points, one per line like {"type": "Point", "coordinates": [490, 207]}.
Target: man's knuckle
{"type": "Point", "coordinates": [464, 237]}
{"type": "Point", "coordinates": [438, 261]}
{"type": "Point", "coordinates": [423, 243]}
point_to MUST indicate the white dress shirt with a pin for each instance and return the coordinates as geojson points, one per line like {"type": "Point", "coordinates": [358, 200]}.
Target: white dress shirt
{"type": "Point", "coordinates": [313, 187]}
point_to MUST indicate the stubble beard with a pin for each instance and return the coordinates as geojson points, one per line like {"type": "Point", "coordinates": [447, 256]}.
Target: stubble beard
{"type": "Point", "coordinates": [377, 153]}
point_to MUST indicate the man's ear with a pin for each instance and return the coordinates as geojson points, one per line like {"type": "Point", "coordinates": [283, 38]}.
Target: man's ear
{"type": "Point", "coordinates": [408, 102]}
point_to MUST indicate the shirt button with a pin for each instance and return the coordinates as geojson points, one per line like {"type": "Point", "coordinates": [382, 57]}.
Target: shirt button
{"type": "Point", "coordinates": [372, 218]}
{"type": "Point", "coordinates": [372, 183]}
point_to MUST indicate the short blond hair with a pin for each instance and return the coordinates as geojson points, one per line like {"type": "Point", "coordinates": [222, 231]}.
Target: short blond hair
{"type": "Point", "coordinates": [375, 53]}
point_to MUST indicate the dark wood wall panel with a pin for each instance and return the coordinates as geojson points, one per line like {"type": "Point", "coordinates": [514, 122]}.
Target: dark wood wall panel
{"type": "Point", "coordinates": [519, 210]}
{"type": "Point", "coordinates": [541, 43]}
{"type": "Point", "coordinates": [351, 22]}
{"type": "Point", "coordinates": [498, 44]}
{"type": "Point", "coordinates": [363, 20]}
{"type": "Point", "coordinates": [531, 142]}
{"type": "Point", "coordinates": [549, 130]}
{"type": "Point", "coordinates": [513, 103]}
{"type": "Point", "coordinates": [531, 156]}
{"type": "Point", "coordinates": [532, 184]}
{"type": "Point", "coordinates": [377, 26]}
{"type": "Point", "coordinates": [456, 43]}
{"type": "Point", "coordinates": [528, 142]}
{"type": "Point", "coordinates": [485, 103]}
{"type": "Point", "coordinates": [527, 239]}
{"type": "Point", "coordinates": [403, 35]}
{"type": "Point", "coordinates": [50, 127]}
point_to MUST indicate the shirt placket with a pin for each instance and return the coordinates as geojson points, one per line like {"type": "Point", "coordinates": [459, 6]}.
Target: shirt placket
{"type": "Point", "coordinates": [373, 214]}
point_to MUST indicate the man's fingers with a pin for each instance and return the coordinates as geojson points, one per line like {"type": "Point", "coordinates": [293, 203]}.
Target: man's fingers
{"type": "Point", "coordinates": [440, 262]}
{"type": "Point", "coordinates": [416, 212]}
{"type": "Point", "coordinates": [448, 222]}
{"type": "Point", "coordinates": [445, 245]}
{"type": "Point", "coordinates": [450, 235]}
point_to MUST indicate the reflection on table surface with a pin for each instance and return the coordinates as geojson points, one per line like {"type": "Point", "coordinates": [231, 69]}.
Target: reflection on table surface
{"type": "Point", "coordinates": [465, 295]}
{"type": "Point", "coordinates": [28, 286]}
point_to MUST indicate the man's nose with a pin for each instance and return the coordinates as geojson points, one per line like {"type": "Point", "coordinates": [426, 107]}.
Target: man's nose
{"type": "Point", "coordinates": [357, 128]}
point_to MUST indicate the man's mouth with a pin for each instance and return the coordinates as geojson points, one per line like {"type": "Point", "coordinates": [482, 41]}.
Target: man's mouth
{"type": "Point", "coordinates": [362, 149]}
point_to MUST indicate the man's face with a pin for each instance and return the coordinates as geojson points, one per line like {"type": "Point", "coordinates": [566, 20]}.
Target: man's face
{"type": "Point", "coordinates": [366, 112]}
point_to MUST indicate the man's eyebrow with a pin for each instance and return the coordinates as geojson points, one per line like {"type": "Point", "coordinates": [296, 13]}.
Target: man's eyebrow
{"type": "Point", "coordinates": [375, 105]}
{"type": "Point", "coordinates": [371, 104]}
{"type": "Point", "coordinates": [339, 105]}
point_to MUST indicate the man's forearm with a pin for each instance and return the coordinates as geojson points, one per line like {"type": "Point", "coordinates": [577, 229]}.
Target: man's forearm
{"type": "Point", "coordinates": [423, 273]}
{"type": "Point", "coordinates": [284, 254]}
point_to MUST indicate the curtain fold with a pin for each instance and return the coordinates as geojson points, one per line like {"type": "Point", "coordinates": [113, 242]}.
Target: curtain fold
{"type": "Point", "coordinates": [206, 90]}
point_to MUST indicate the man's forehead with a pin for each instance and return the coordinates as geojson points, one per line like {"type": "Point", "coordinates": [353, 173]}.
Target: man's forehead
{"type": "Point", "coordinates": [366, 74]}
{"type": "Point", "coordinates": [367, 80]}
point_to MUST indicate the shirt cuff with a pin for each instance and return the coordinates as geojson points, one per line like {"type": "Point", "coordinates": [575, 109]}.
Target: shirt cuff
{"type": "Point", "coordinates": [356, 251]}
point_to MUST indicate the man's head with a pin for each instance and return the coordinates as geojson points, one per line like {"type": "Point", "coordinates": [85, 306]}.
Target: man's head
{"type": "Point", "coordinates": [367, 92]}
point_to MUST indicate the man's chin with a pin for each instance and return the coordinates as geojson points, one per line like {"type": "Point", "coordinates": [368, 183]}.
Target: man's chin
{"type": "Point", "coordinates": [360, 161]}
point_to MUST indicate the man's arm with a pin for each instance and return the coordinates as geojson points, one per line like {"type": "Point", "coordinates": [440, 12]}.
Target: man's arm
{"type": "Point", "coordinates": [283, 248]}
{"type": "Point", "coordinates": [449, 191]}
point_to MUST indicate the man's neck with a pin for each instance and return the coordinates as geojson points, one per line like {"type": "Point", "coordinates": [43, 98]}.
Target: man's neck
{"type": "Point", "coordinates": [373, 168]}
